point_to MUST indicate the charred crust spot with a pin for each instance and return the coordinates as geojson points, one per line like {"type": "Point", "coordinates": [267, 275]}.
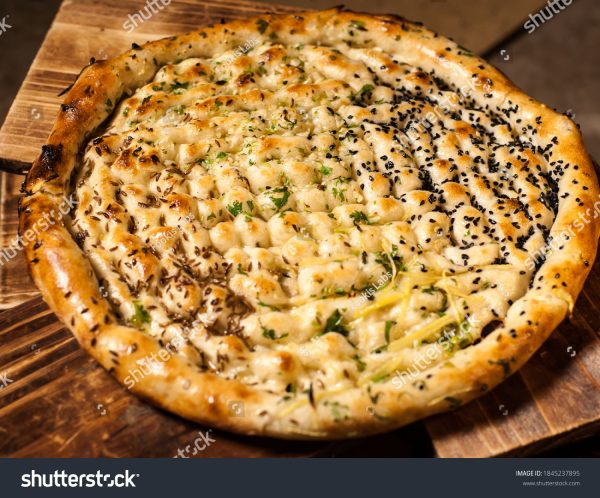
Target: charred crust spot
{"type": "Point", "coordinates": [67, 107]}
{"type": "Point", "coordinates": [395, 18]}
{"type": "Point", "coordinates": [490, 327]}
{"type": "Point", "coordinates": [47, 165]}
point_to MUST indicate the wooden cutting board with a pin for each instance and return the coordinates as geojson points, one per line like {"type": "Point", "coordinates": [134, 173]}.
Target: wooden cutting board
{"type": "Point", "coordinates": [55, 401]}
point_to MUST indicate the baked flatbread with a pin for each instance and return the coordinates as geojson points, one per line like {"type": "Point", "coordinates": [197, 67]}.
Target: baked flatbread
{"type": "Point", "coordinates": [320, 225]}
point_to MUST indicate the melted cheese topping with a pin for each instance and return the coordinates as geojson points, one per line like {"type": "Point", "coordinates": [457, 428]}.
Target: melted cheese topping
{"type": "Point", "coordinates": [305, 217]}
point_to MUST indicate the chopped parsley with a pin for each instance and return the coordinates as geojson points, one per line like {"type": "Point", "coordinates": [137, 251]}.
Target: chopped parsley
{"type": "Point", "coordinates": [386, 260]}
{"type": "Point", "coordinates": [359, 217]}
{"type": "Point", "coordinates": [338, 411]}
{"type": "Point", "coordinates": [279, 202]}
{"type": "Point", "coordinates": [360, 364]}
{"type": "Point", "coordinates": [380, 377]}
{"type": "Point", "coordinates": [359, 25]}
{"type": "Point", "coordinates": [365, 92]}
{"type": "Point", "coordinates": [270, 334]}
{"type": "Point", "coordinates": [235, 208]}
{"type": "Point", "coordinates": [464, 51]}
{"type": "Point", "coordinates": [338, 193]}
{"type": "Point", "coordinates": [325, 171]}
{"type": "Point", "coordinates": [262, 25]}
{"type": "Point", "coordinates": [270, 306]}
{"type": "Point", "coordinates": [455, 336]}
{"type": "Point", "coordinates": [334, 324]}
{"type": "Point", "coordinates": [178, 87]}
{"type": "Point", "coordinates": [141, 315]}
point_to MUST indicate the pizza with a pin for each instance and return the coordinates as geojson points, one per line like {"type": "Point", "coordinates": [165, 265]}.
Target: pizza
{"type": "Point", "coordinates": [321, 225]}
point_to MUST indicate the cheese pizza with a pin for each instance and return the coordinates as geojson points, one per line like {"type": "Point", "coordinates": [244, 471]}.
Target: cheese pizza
{"type": "Point", "coordinates": [339, 222]}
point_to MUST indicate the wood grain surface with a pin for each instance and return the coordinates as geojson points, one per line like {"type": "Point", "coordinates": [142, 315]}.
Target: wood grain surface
{"type": "Point", "coordinates": [15, 284]}
{"type": "Point", "coordinates": [56, 401]}
{"type": "Point", "coordinates": [60, 403]}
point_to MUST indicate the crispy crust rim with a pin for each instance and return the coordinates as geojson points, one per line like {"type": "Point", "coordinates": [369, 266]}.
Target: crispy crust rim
{"type": "Point", "coordinates": [68, 284]}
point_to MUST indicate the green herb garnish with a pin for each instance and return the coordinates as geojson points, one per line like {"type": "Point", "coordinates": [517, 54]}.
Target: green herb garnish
{"type": "Point", "coordinates": [388, 327]}
{"type": "Point", "coordinates": [141, 315]}
{"type": "Point", "coordinates": [359, 25]}
{"type": "Point", "coordinates": [279, 202]}
{"type": "Point", "coordinates": [270, 306]}
{"type": "Point", "coordinates": [262, 25]}
{"type": "Point", "coordinates": [360, 364]}
{"type": "Point", "coordinates": [235, 208]}
{"type": "Point", "coordinates": [359, 217]}
{"type": "Point", "coordinates": [178, 87]}
{"type": "Point", "coordinates": [325, 170]}
{"type": "Point", "coordinates": [334, 324]}
{"type": "Point", "coordinates": [270, 334]}
{"type": "Point", "coordinates": [364, 92]}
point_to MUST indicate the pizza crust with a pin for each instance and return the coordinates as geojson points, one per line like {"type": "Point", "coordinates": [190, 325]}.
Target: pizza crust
{"type": "Point", "coordinates": [70, 286]}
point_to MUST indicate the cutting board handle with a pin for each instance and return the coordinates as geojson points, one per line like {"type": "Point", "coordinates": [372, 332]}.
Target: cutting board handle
{"type": "Point", "coordinates": [16, 167]}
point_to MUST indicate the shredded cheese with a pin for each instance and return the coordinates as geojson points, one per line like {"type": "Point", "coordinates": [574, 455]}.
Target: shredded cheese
{"type": "Point", "coordinates": [385, 300]}
{"type": "Point", "coordinates": [421, 333]}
